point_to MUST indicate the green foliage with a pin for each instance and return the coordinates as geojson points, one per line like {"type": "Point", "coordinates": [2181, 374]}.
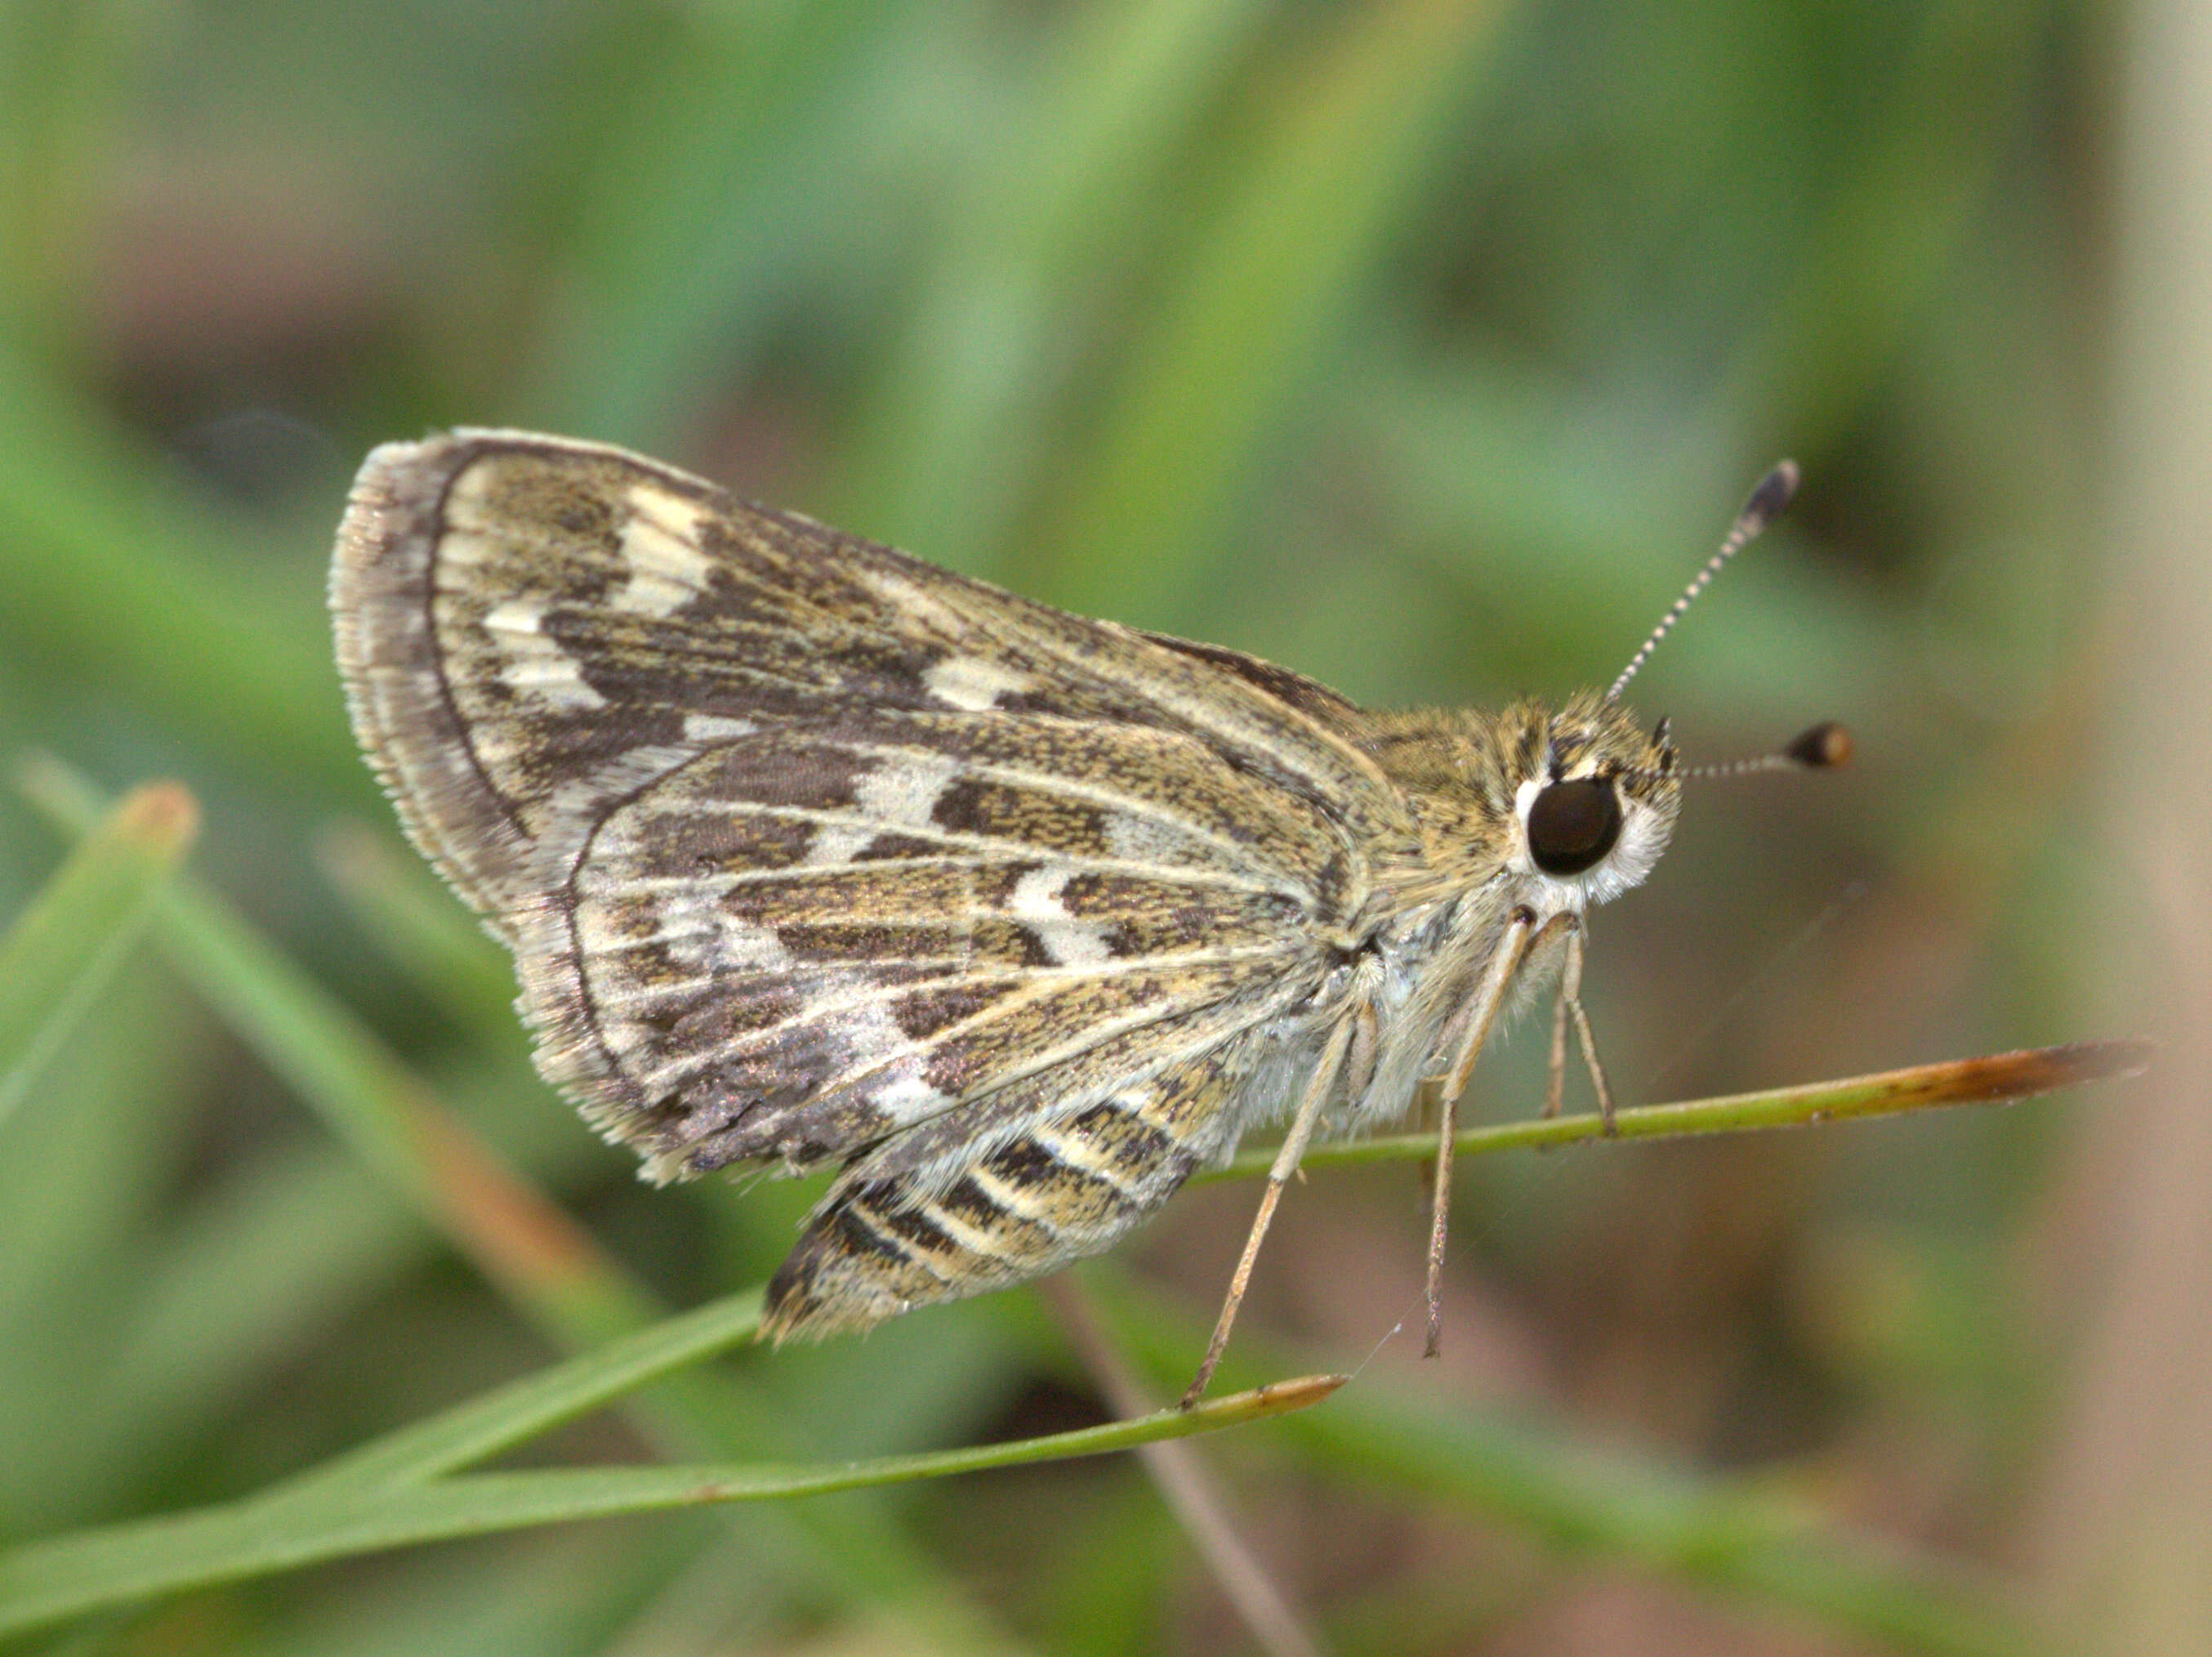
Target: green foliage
{"type": "Point", "coordinates": [63, 948]}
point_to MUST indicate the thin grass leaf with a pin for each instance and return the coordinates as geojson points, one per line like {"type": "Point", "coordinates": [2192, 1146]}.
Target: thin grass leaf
{"type": "Point", "coordinates": [378, 1106]}
{"type": "Point", "coordinates": [1255, 309]}
{"type": "Point", "coordinates": [1542, 1480]}
{"type": "Point", "coordinates": [65, 1576]}
{"type": "Point", "coordinates": [66, 944]}
{"type": "Point", "coordinates": [108, 1134]}
{"type": "Point", "coordinates": [1995, 1079]}
{"type": "Point", "coordinates": [419, 925]}
{"type": "Point", "coordinates": [552, 1269]}
{"type": "Point", "coordinates": [725, 182]}
{"type": "Point", "coordinates": [113, 574]}
{"type": "Point", "coordinates": [547, 1265]}
{"type": "Point", "coordinates": [950, 445]}
{"type": "Point", "coordinates": [522, 1410]}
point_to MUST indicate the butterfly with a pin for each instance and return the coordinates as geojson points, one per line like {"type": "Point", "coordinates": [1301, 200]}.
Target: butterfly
{"type": "Point", "coordinates": [810, 854]}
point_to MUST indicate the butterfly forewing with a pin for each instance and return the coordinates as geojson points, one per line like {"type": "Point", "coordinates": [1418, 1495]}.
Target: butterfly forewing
{"type": "Point", "coordinates": [809, 850]}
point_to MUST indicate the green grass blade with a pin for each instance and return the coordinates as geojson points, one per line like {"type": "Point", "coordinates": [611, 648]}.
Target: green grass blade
{"type": "Point", "coordinates": [956, 429]}
{"type": "Point", "coordinates": [734, 166]}
{"type": "Point", "coordinates": [553, 1270]}
{"type": "Point", "coordinates": [375, 1104]}
{"type": "Point", "coordinates": [1256, 308]}
{"type": "Point", "coordinates": [522, 1410]}
{"type": "Point", "coordinates": [68, 942]}
{"type": "Point", "coordinates": [64, 1576]}
{"type": "Point", "coordinates": [112, 576]}
{"type": "Point", "coordinates": [1542, 1479]}
{"type": "Point", "coordinates": [1997, 1079]}
{"type": "Point", "coordinates": [108, 1133]}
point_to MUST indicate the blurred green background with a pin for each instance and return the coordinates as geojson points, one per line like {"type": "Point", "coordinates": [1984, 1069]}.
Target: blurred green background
{"type": "Point", "coordinates": [1425, 346]}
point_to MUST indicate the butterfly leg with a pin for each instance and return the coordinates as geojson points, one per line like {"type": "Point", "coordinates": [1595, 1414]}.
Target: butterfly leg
{"type": "Point", "coordinates": [1566, 1011]}
{"type": "Point", "coordinates": [1555, 1074]}
{"type": "Point", "coordinates": [1568, 1007]}
{"type": "Point", "coordinates": [1473, 1029]}
{"type": "Point", "coordinates": [1317, 1093]}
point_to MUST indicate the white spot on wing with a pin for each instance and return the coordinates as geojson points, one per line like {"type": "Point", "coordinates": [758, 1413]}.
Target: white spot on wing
{"type": "Point", "coordinates": [1036, 903]}
{"type": "Point", "coordinates": [697, 933]}
{"type": "Point", "coordinates": [972, 682]}
{"type": "Point", "coordinates": [835, 843]}
{"type": "Point", "coordinates": [1017, 1200]}
{"type": "Point", "coordinates": [908, 1099]}
{"type": "Point", "coordinates": [714, 727]}
{"type": "Point", "coordinates": [515, 616]}
{"type": "Point", "coordinates": [532, 662]}
{"type": "Point", "coordinates": [1079, 1155]}
{"type": "Point", "coordinates": [1141, 839]}
{"type": "Point", "coordinates": [898, 792]}
{"type": "Point", "coordinates": [660, 546]}
{"type": "Point", "coordinates": [869, 1036]}
{"type": "Point", "coordinates": [903, 791]}
{"type": "Point", "coordinates": [914, 599]}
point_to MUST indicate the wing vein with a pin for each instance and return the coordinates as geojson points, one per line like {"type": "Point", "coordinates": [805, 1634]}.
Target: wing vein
{"type": "Point", "coordinates": [1039, 981]}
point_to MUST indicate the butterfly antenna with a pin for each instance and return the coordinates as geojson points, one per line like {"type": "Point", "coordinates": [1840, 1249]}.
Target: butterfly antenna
{"type": "Point", "coordinates": [1826, 747]}
{"type": "Point", "coordinates": [1764, 505]}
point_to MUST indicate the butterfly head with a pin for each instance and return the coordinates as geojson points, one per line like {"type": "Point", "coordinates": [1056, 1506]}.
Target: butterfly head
{"type": "Point", "coordinates": [1594, 797]}
{"type": "Point", "coordinates": [1596, 794]}
{"type": "Point", "coordinates": [1567, 806]}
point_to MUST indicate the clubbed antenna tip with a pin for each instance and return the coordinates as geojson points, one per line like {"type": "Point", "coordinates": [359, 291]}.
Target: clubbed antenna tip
{"type": "Point", "coordinates": [1826, 747]}
{"type": "Point", "coordinates": [1766, 500]}
{"type": "Point", "coordinates": [1775, 493]}
{"type": "Point", "coordinates": [1823, 748]}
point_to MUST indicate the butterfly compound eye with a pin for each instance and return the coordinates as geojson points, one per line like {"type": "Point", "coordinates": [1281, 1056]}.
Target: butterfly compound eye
{"type": "Point", "coordinates": [1572, 826]}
